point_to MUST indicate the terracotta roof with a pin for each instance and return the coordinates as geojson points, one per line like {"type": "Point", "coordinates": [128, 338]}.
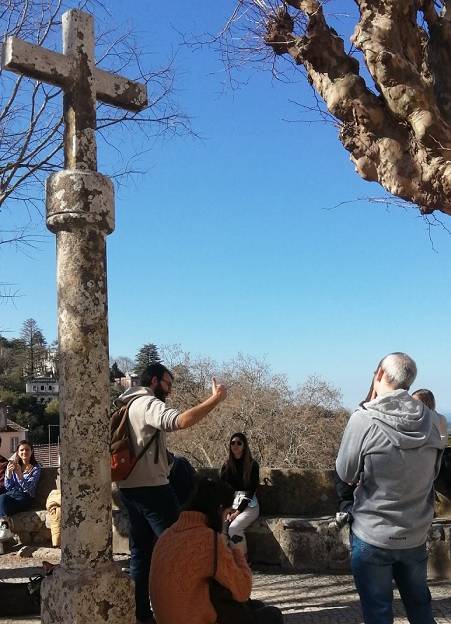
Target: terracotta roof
{"type": "Point", "coordinates": [13, 426]}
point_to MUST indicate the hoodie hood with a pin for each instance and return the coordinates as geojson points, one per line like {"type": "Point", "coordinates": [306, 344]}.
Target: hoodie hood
{"type": "Point", "coordinates": [132, 393]}
{"type": "Point", "coordinates": [406, 422]}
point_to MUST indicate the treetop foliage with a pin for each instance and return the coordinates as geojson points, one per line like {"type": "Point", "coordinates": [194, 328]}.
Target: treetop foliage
{"type": "Point", "coordinates": [147, 354]}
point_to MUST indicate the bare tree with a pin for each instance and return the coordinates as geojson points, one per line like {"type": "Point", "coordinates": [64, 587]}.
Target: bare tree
{"type": "Point", "coordinates": [31, 125]}
{"type": "Point", "coordinates": [394, 111]}
{"type": "Point", "coordinates": [125, 363]}
{"type": "Point", "coordinates": [316, 393]}
{"type": "Point", "coordinates": [285, 429]}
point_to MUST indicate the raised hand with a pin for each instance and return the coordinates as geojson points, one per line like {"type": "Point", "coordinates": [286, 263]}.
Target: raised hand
{"type": "Point", "coordinates": [218, 390]}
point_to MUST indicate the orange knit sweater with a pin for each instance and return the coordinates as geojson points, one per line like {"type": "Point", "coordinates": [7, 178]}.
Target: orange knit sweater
{"type": "Point", "coordinates": [182, 563]}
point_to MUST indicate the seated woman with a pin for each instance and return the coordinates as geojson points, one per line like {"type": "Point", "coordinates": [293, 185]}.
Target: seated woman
{"type": "Point", "coordinates": [183, 562]}
{"type": "Point", "coordinates": [21, 481]}
{"type": "Point", "coordinates": [242, 472]}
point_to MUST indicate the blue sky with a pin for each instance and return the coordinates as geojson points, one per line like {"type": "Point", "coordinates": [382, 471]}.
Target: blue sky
{"type": "Point", "coordinates": [236, 242]}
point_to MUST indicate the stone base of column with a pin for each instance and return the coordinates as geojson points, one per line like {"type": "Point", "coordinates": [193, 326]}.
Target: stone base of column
{"type": "Point", "coordinates": [103, 595]}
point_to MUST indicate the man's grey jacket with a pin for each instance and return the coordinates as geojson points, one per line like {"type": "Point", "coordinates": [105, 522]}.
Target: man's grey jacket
{"type": "Point", "coordinates": [391, 449]}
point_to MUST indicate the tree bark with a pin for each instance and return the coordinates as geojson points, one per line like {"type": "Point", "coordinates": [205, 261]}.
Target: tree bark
{"type": "Point", "coordinates": [400, 137]}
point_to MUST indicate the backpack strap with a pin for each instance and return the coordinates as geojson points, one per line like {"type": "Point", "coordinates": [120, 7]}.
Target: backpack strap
{"type": "Point", "coordinates": [155, 436]}
{"type": "Point", "coordinates": [215, 554]}
{"type": "Point", "coordinates": [146, 446]}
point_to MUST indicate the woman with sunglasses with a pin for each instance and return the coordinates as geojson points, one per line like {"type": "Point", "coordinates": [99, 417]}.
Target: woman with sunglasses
{"type": "Point", "coordinates": [242, 472]}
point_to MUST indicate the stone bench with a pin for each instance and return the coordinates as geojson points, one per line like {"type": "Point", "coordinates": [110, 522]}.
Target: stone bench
{"type": "Point", "coordinates": [300, 544]}
{"type": "Point", "coordinates": [282, 492]}
{"type": "Point", "coordinates": [292, 533]}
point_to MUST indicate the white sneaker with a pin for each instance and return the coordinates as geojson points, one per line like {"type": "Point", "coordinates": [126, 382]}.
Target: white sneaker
{"type": "Point", "coordinates": [5, 531]}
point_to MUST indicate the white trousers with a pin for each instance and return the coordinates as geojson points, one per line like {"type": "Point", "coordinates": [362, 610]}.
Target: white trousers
{"type": "Point", "coordinates": [243, 520]}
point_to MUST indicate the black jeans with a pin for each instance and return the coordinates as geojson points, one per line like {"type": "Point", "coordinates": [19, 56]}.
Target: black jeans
{"type": "Point", "coordinates": [265, 614]}
{"type": "Point", "coordinates": [151, 510]}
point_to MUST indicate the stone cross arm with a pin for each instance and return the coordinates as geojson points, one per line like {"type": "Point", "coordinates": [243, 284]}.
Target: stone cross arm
{"type": "Point", "coordinates": [58, 69]}
{"type": "Point", "coordinates": [83, 84]}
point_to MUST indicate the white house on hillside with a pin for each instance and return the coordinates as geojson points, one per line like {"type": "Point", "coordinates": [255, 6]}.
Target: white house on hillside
{"type": "Point", "coordinates": [43, 388]}
{"type": "Point", "coordinates": [129, 381]}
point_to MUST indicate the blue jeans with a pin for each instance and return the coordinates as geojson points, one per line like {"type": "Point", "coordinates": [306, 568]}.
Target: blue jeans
{"type": "Point", "coordinates": [151, 510]}
{"type": "Point", "coordinates": [374, 570]}
{"type": "Point", "coordinates": [14, 501]}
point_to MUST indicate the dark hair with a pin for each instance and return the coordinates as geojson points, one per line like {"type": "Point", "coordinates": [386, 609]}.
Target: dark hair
{"type": "Point", "coordinates": [154, 370]}
{"type": "Point", "coordinates": [368, 396]}
{"type": "Point", "coordinates": [247, 459]}
{"type": "Point", "coordinates": [211, 497]}
{"type": "Point", "coordinates": [33, 461]}
{"type": "Point", "coordinates": [370, 391]}
{"type": "Point", "coordinates": [425, 396]}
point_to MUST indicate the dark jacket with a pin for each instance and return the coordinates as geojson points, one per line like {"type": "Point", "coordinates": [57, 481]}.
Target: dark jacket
{"type": "Point", "coordinates": [236, 480]}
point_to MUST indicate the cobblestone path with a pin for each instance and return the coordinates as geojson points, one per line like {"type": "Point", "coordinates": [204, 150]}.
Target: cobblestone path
{"type": "Point", "coordinates": [304, 598]}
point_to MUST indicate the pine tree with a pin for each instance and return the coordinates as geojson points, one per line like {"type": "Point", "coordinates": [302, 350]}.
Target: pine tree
{"type": "Point", "coordinates": [35, 348]}
{"type": "Point", "coordinates": [148, 354]}
{"type": "Point", "coordinates": [115, 372]}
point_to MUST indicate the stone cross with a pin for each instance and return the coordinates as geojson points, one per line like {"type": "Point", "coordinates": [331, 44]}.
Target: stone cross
{"type": "Point", "coordinates": [75, 72]}
{"type": "Point", "coordinates": [87, 586]}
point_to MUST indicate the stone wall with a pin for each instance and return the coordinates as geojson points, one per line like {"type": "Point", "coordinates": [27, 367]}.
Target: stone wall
{"type": "Point", "coordinates": [292, 533]}
{"type": "Point", "coordinates": [285, 492]}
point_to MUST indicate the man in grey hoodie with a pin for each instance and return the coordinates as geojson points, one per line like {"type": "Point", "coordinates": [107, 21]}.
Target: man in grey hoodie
{"type": "Point", "coordinates": [146, 493]}
{"type": "Point", "coordinates": [391, 449]}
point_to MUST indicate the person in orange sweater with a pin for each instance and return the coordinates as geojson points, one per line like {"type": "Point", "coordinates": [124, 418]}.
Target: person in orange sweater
{"type": "Point", "coordinates": [183, 562]}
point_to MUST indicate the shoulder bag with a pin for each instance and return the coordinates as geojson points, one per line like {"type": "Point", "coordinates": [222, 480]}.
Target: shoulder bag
{"type": "Point", "coordinates": [228, 610]}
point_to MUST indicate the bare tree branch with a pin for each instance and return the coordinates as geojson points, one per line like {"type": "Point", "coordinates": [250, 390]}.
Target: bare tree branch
{"type": "Point", "coordinates": [398, 135]}
{"type": "Point", "coordinates": [31, 125]}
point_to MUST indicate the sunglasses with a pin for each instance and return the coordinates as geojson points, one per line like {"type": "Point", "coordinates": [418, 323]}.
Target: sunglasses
{"type": "Point", "coordinates": [236, 443]}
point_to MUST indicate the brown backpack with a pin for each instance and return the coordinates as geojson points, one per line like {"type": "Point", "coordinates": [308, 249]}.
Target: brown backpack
{"type": "Point", "coordinates": [123, 458]}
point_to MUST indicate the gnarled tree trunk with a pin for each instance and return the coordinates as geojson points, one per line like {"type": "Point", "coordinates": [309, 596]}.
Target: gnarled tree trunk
{"type": "Point", "coordinates": [400, 137]}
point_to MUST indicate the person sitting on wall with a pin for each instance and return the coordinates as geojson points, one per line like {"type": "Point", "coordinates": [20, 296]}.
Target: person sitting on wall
{"type": "Point", "coordinates": [21, 481]}
{"type": "Point", "coordinates": [3, 464]}
{"type": "Point", "coordinates": [242, 472]}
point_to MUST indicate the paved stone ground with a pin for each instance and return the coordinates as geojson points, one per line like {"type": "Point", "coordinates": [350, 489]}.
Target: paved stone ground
{"type": "Point", "coordinates": [304, 598]}
{"type": "Point", "coordinates": [320, 599]}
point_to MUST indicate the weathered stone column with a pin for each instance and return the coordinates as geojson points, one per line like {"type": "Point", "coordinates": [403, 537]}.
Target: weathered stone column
{"type": "Point", "coordinates": [87, 586]}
